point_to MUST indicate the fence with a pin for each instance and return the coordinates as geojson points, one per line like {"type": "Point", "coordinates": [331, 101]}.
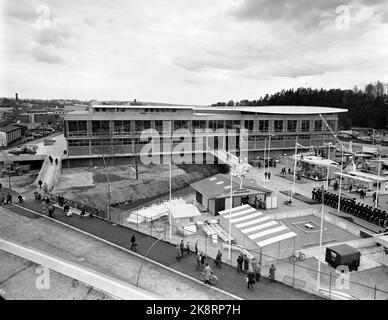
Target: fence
{"type": "Point", "coordinates": [75, 204]}
{"type": "Point", "coordinates": [301, 275]}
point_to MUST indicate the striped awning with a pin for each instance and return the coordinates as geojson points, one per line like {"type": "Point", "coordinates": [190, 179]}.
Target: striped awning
{"type": "Point", "coordinates": [257, 226]}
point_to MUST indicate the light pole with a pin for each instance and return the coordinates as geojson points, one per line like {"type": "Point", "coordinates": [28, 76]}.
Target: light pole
{"type": "Point", "coordinates": [230, 210]}
{"type": "Point", "coordinates": [265, 144]}
{"type": "Point", "coordinates": [170, 219]}
{"type": "Point", "coordinates": [378, 179]}
{"type": "Point", "coordinates": [296, 151]}
{"type": "Point", "coordinates": [321, 228]}
{"type": "Point", "coordinates": [340, 184]}
{"type": "Point", "coordinates": [141, 264]}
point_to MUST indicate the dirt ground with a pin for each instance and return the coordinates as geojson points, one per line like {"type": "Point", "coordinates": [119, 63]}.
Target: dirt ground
{"type": "Point", "coordinates": [20, 184]}
{"type": "Point", "coordinates": [90, 186]}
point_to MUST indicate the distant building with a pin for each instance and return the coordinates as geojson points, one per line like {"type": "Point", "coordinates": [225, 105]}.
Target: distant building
{"type": "Point", "coordinates": [118, 127]}
{"type": "Point", "coordinates": [9, 134]}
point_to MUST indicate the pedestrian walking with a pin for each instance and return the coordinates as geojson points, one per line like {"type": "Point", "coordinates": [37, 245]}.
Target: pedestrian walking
{"type": "Point", "coordinates": [187, 247]}
{"type": "Point", "coordinates": [256, 267]}
{"type": "Point", "coordinates": [208, 274]}
{"type": "Point", "coordinates": [272, 270]}
{"type": "Point", "coordinates": [182, 247]}
{"type": "Point", "coordinates": [374, 197]}
{"type": "Point", "coordinates": [20, 198]}
{"type": "Point", "coordinates": [289, 170]}
{"type": "Point", "coordinates": [218, 258]}
{"type": "Point", "coordinates": [1, 185]}
{"type": "Point", "coordinates": [40, 184]}
{"type": "Point", "coordinates": [83, 212]}
{"type": "Point", "coordinates": [198, 267]}
{"type": "Point", "coordinates": [240, 260]}
{"type": "Point", "coordinates": [51, 159]}
{"type": "Point", "coordinates": [246, 263]}
{"type": "Point", "coordinates": [265, 175]}
{"type": "Point", "coordinates": [51, 210]}
{"type": "Point", "coordinates": [196, 247]}
{"type": "Point", "coordinates": [350, 189]}
{"type": "Point", "coordinates": [36, 195]}
{"type": "Point", "coordinates": [202, 260]}
{"type": "Point", "coordinates": [66, 210]}
{"type": "Point", "coordinates": [9, 198]}
{"type": "Point", "coordinates": [269, 175]}
{"type": "Point", "coordinates": [133, 243]}
{"type": "Point", "coordinates": [250, 279]}
{"type": "Point", "coordinates": [45, 188]}
{"type": "Point", "coordinates": [56, 161]}
{"type": "Point", "coordinates": [178, 252]}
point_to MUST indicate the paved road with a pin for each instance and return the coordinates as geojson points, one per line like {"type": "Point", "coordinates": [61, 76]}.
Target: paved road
{"type": "Point", "coordinates": [58, 240]}
{"type": "Point", "coordinates": [164, 253]}
{"type": "Point", "coordinates": [18, 282]}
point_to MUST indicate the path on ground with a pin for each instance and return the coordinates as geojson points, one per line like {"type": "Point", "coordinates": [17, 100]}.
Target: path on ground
{"type": "Point", "coordinates": [71, 245]}
{"type": "Point", "coordinates": [164, 253]}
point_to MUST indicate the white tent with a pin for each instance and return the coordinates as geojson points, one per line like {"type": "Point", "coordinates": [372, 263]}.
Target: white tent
{"type": "Point", "coordinates": [258, 232]}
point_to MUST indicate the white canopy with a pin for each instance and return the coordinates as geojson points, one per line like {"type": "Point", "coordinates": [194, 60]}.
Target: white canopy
{"type": "Point", "coordinates": [184, 211]}
{"type": "Point", "coordinates": [369, 176]}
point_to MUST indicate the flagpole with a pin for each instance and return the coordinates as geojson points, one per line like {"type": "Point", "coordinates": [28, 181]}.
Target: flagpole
{"type": "Point", "coordinates": [296, 151]}
{"type": "Point", "coordinates": [269, 148]}
{"type": "Point", "coordinates": [230, 211]}
{"type": "Point", "coordinates": [170, 179]}
{"type": "Point", "coordinates": [265, 145]}
{"type": "Point", "coordinates": [378, 179]}
{"type": "Point", "coordinates": [340, 184]}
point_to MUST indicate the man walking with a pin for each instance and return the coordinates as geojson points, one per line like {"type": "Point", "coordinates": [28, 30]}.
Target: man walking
{"type": "Point", "coordinates": [182, 247]}
{"type": "Point", "coordinates": [250, 279]}
{"type": "Point", "coordinates": [218, 259]}
{"type": "Point", "coordinates": [208, 274]}
{"type": "Point", "coordinates": [246, 264]}
{"type": "Point", "coordinates": [178, 252]}
{"type": "Point", "coordinates": [133, 243]}
{"type": "Point", "coordinates": [40, 182]}
{"type": "Point", "coordinates": [272, 270]}
{"type": "Point", "coordinates": [256, 267]}
{"type": "Point", "coordinates": [239, 262]}
{"type": "Point", "coordinates": [196, 247]}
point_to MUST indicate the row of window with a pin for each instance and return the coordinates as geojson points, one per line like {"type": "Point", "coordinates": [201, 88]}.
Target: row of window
{"type": "Point", "coordinates": [146, 110]}
{"type": "Point", "coordinates": [122, 127]}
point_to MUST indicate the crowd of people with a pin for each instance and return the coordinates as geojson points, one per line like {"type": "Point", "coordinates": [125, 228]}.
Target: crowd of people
{"type": "Point", "coordinates": [366, 212]}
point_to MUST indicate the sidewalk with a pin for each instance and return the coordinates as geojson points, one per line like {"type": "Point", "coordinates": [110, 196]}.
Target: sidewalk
{"type": "Point", "coordinates": [58, 240]}
{"type": "Point", "coordinates": [164, 253]}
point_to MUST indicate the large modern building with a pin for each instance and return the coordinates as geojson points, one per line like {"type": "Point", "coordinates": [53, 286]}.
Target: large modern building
{"type": "Point", "coordinates": [116, 129]}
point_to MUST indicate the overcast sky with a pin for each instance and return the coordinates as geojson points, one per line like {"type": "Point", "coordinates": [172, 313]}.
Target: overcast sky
{"type": "Point", "coordinates": [192, 52]}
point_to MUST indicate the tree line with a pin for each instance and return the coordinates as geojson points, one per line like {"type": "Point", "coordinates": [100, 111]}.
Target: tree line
{"type": "Point", "coordinates": [366, 108]}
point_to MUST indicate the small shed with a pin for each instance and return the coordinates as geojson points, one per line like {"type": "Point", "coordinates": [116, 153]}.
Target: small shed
{"type": "Point", "coordinates": [214, 193]}
{"type": "Point", "coordinates": [184, 214]}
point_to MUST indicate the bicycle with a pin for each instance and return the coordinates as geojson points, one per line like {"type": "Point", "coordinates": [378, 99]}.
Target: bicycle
{"type": "Point", "coordinates": [213, 278]}
{"type": "Point", "coordinates": [297, 257]}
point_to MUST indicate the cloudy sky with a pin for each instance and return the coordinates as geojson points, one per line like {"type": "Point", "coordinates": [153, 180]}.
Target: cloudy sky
{"type": "Point", "coordinates": [193, 52]}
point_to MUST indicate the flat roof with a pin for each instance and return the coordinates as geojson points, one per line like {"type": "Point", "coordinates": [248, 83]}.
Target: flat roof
{"type": "Point", "coordinates": [219, 185]}
{"type": "Point", "coordinates": [295, 110]}
{"type": "Point", "coordinates": [291, 110]}
{"type": "Point", "coordinates": [9, 128]}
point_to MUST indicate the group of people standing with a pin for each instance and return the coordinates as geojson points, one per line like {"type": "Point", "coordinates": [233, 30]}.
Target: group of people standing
{"type": "Point", "coordinates": [284, 171]}
{"type": "Point", "coordinates": [267, 175]}
{"type": "Point", "coordinates": [52, 160]}
{"type": "Point", "coordinates": [361, 210]}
